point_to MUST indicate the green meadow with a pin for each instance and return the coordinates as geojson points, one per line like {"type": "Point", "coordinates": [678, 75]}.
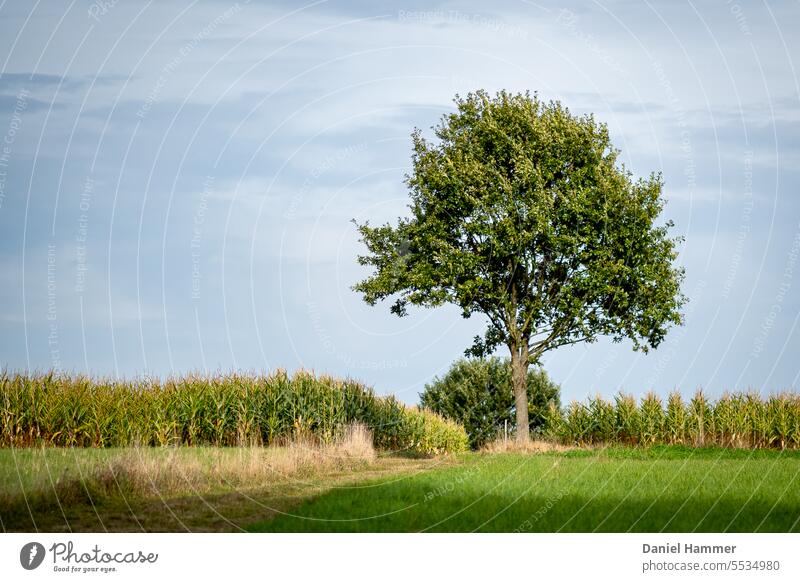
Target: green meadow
{"type": "Point", "coordinates": [308, 489]}
{"type": "Point", "coordinates": [671, 489]}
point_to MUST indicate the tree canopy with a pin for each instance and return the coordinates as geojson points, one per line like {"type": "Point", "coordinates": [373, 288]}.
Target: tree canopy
{"type": "Point", "coordinates": [521, 211]}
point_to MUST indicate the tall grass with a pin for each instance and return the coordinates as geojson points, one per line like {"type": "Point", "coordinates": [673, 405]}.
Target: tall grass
{"type": "Point", "coordinates": [739, 420]}
{"type": "Point", "coordinates": [145, 471]}
{"type": "Point", "coordinates": [75, 411]}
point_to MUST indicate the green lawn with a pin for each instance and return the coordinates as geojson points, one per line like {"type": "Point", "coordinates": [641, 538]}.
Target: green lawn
{"type": "Point", "coordinates": [617, 490]}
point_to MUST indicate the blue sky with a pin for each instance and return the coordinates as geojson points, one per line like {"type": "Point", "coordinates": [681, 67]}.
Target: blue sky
{"type": "Point", "coordinates": [177, 179]}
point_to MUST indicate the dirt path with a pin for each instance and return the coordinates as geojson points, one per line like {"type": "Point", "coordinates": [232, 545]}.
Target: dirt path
{"type": "Point", "coordinates": [196, 511]}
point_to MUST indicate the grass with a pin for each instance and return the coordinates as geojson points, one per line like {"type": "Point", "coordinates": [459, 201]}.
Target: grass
{"type": "Point", "coordinates": [674, 489]}
{"type": "Point", "coordinates": [178, 489]}
{"type": "Point", "coordinates": [346, 487]}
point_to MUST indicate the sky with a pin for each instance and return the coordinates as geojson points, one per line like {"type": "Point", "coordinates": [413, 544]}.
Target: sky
{"type": "Point", "coordinates": [178, 179]}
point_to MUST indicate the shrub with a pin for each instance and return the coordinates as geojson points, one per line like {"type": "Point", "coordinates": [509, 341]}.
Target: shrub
{"type": "Point", "coordinates": [477, 394]}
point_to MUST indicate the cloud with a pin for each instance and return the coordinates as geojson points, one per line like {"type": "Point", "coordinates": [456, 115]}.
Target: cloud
{"type": "Point", "coordinates": [300, 115]}
{"type": "Point", "coordinates": [9, 103]}
{"type": "Point", "coordinates": [15, 82]}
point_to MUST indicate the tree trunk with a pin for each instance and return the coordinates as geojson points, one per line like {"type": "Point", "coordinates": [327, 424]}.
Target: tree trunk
{"type": "Point", "coordinates": [519, 376]}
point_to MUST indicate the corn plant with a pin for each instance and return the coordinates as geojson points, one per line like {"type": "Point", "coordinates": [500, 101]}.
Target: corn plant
{"type": "Point", "coordinates": [652, 419]}
{"type": "Point", "coordinates": [59, 410]}
{"type": "Point", "coordinates": [677, 420]}
{"type": "Point", "coordinates": [734, 420]}
{"type": "Point", "coordinates": [628, 419]}
{"type": "Point", "coordinates": [578, 424]}
{"type": "Point", "coordinates": [603, 420]}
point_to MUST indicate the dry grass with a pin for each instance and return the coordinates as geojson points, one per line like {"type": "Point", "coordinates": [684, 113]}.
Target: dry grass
{"type": "Point", "coordinates": [355, 442]}
{"type": "Point", "coordinates": [501, 445]}
{"type": "Point", "coordinates": [183, 488]}
{"type": "Point", "coordinates": [167, 472]}
{"type": "Point", "coordinates": [249, 467]}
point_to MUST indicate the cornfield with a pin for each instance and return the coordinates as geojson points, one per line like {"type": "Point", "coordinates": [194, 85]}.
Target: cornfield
{"type": "Point", "coordinates": [740, 420]}
{"type": "Point", "coordinates": [232, 410]}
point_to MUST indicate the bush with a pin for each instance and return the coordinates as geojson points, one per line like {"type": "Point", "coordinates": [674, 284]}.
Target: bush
{"type": "Point", "coordinates": [424, 432]}
{"type": "Point", "coordinates": [477, 394]}
{"type": "Point", "coordinates": [61, 410]}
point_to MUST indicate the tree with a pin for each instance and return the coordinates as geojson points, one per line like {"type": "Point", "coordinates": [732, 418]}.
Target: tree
{"type": "Point", "coordinates": [521, 212]}
{"type": "Point", "coordinates": [477, 394]}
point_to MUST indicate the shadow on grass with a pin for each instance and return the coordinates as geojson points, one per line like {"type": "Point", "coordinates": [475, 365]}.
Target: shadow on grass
{"type": "Point", "coordinates": [406, 511]}
{"type": "Point", "coordinates": [644, 490]}
{"type": "Point", "coordinates": [201, 512]}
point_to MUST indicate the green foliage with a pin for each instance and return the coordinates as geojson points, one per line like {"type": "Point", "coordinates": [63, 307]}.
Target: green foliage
{"type": "Point", "coordinates": [741, 420]}
{"type": "Point", "coordinates": [521, 212]}
{"type": "Point", "coordinates": [58, 410]}
{"type": "Point", "coordinates": [477, 394]}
